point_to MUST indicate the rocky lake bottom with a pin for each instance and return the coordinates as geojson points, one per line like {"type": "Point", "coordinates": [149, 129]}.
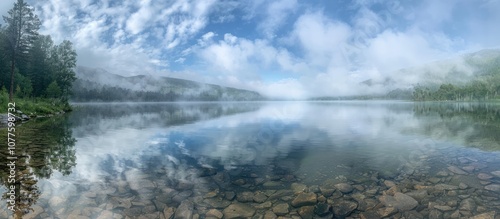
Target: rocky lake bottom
{"type": "Point", "coordinates": [458, 187]}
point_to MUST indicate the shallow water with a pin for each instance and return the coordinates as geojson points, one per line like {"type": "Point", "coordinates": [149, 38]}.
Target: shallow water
{"type": "Point", "coordinates": [186, 159]}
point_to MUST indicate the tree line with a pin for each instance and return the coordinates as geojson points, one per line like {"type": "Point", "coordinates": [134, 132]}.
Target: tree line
{"type": "Point", "coordinates": [475, 90]}
{"type": "Point", "coordinates": [33, 65]}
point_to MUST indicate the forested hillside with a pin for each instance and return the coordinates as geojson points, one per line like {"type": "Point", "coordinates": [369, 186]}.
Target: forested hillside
{"type": "Point", "coordinates": [99, 85]}
{"type": "Point", "coordinates": [484, 84]}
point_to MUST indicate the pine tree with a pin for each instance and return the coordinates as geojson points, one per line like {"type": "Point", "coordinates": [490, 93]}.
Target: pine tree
{"type": "Point", "coordinates": [21, 32]}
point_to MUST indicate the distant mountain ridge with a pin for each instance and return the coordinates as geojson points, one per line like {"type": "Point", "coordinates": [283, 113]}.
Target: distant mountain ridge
{"type": "Point", "coordinates": [99, 85]}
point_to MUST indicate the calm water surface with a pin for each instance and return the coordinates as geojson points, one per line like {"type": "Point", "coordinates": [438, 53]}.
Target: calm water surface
{"type": "Point", "coordinates": [186, 159]}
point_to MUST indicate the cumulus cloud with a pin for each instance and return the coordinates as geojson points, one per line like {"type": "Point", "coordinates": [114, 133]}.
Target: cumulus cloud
{"type": "Point", "coordinates": [285, 48]}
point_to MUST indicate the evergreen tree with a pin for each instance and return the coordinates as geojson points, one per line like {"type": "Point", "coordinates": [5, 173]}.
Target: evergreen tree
{"type": "Point", "coordinates": [21, 32]}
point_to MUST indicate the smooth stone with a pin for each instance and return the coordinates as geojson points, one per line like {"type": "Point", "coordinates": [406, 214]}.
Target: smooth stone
{"type": "Point", "coordinates": [229, 195]}
{"type": "Point", "coordinates": [435, 214]}
{"type": "Point", "coordinates": [327, 189]}
{"type": "Point", "coordinates": [185, 210]}
{"type": "Point", "coordinates": [245, 197]}
{"type": "Point", "coordinates": [239, 182]}
{"type": "Point", "coordinates": [496, 173]}
{"type": "Point", "coordinates": [488, 215]}
{"type": "Point", "coordinates": [322, 209]}
{"type": "Point", "coordinates": [456, 170]}
{"type": "Point", "coordinates": [344, 188]}
{"type": "Point", "coordinates": [304, 199]}
{"type": "Point", "coordinates": [270, 215]}
{"type": "Point", "coordinates": [238, 210]}
{"type": "Point", "coordinates": [389, 183]}
{"type": "Point", "coordinates": [306, 212]}
{"type": "Point", "coordinates": [210, 194]}
{"type": "Point", "coordinates": [443, 207]}
{"type": "Point", "coordinates": [214, 213]}
{"type": "Point", "coordinates": [264, 205]}
{"type": "Point", "coordinates": [259, 197]}
{"type": "Point", "coordinates": [418, 195]}
{"type": "Point", "coordinates": [369, 215]}
{"type": "Point", "coordinates": [400, 201]}
{"type": "Point", "coordinates": [442, 174]}
{"type": "Point", "coordinates": [168, 212]}
{"type": "Point", "coordinates": [298, 187]}
{"type": "Point", "coordinates": [445, 187]}
{"type": "Point", "coordinates": [343, 209]}
{"type": "Point", "coordinates": [272, 184]}
{"type": "Point", "coordinates": [105, 215]}
{"type": "Point", "coordinates": [280, 194]}
{"type": "Point", "coordinates": [387, 211]}
{"type": "Point", "coordinates": [484, 176]}
{"type": "Point", "coordinates": [217, 202]}
{"type": "Point", "coordinates": [469, 169]}
{"type": "Point", "coordinates": [493, 187]}
{"type": "Point", "coordinates": [463, 186]}
{"type": "Point", "coordinates": [281, 209]}
{"type": "Point", "coordinates": [468, 204]}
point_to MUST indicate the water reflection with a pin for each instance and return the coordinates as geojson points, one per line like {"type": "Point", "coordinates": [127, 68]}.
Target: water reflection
{"type": "Point", "coordinates": [41, 147]}
{"type": "Point", "coordinates": [146, 159]}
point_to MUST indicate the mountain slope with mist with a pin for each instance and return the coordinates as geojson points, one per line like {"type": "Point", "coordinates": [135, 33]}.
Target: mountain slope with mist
{"type": "Point", "coordinates": [472, 76]}
{"type": "Point", "coordinates": [99, 85]}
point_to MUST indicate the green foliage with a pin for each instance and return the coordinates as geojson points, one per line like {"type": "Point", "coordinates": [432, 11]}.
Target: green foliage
{"type": "Point", "coordinates": [53, 90]}
{"type": "Point", "coordinates": [23, 86]}
{"type": "Point", "coordinates": [21, 32]}
{"type": "Point", "coordinates": [486, 85]}
{"type": "Point", "coordinates": [32, 60]}
{"type": "Point", "coordinates": [4, 99]}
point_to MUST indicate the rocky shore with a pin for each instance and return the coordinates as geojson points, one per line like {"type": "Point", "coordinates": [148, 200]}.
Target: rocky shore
{"type": "Point", "coordinates": [21, 117]}
{"type": "Point", "coordinates": [463, 187]}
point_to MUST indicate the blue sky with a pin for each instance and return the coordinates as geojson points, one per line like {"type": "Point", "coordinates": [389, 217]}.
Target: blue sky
{"type": "Point", "coordinates": [292, 48]}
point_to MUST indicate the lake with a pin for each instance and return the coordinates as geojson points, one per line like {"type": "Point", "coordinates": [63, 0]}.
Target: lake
{"type": "Point", "coordinates": [354, 159]}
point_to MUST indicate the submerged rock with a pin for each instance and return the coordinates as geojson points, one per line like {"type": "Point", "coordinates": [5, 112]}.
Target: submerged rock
{"type": "Point", "coordinates": [238, 210]}
{"type": "Point", "coordinates": [400, 201]}
{"type": "Point", "coordinates": [344, 208]}
{"type": "Point", "coordinates": [484, 176]}
{"type": "Point", "coordinates": [304, 199]}
{"type": "Point", "coordinates": [185, 210]}
{"type": "Point", "coordinates": [468, 204]}
{"type": "Point", "coordinates": [281, 209]}
{"type": "Point", "coordinates": [488, 215]}
{"type": "Point", "coordinates": [493, 187]}
{"type": "Point", "coordinates": [214, 213]}
{"type": "Point", "coordinates": [322, 209]}
{"type": "Point", "coordinates": [344, 187]}
{"type": "Point", "coordinates": [496, 173]}
{"type": "Point", "coordinates": [168, 212]}
{"type": "Point", "coordinates": [456, 170]}
{"type": "Point", "coordinates": [387, 211]}
{"type": "Point", "coordinates": [306, 212]}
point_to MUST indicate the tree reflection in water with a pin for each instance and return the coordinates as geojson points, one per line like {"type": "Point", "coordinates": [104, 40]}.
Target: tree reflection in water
{"type": "Point", "coordinates": [42, 146]}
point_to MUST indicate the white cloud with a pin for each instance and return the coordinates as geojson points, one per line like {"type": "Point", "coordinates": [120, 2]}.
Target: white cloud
{"type": "Point", "coordinates": [277, 45]}
{"type": "Point", "coordinates": [276, 14]}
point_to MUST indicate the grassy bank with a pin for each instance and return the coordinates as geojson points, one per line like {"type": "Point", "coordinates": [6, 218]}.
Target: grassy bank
{"type": "Point", "coordinates": [35, 106]}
